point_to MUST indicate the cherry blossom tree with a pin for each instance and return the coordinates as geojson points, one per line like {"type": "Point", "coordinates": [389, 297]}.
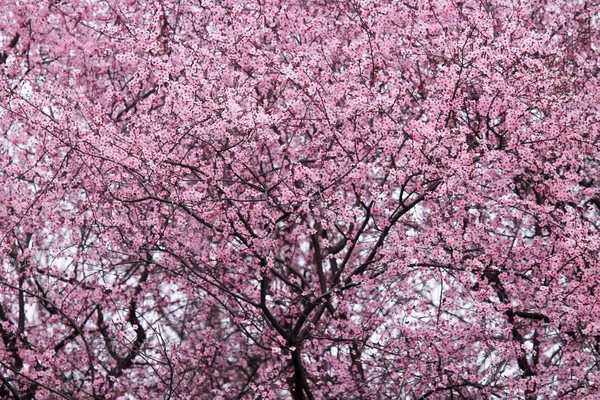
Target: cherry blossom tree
{"type": "Point", "coordinates": [266, 199]}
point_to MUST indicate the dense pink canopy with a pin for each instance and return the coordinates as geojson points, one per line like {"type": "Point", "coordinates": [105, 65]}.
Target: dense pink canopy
{"type": "Point", "coordinates": [325, 199]}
